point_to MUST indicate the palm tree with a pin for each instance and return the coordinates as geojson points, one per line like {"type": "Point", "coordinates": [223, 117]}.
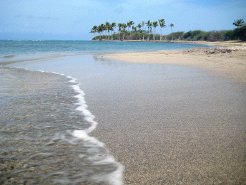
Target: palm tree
{"type": "Point", "coordinates": [143, 24]}
{"type": "Point", "coordinates": [139, 26]}
{"type": "Point", "coordinates": [172, 25]}
{"type": "Point", "coordinates": [112, 27]}
{"type": "Point", "coordinates": [101, 29]}
{"type": "Point", "coordinates": [124, 26]}
{"type": "Point", "coordinates": [129, 25]}
{"type": "Point", "coordinates": [94, 30]}
{"type": "Point", "coordinates": [238, 23]}
{"type": "Point", "coordinates": [119, 28]}
{"type": "Point", "coordinates": [162, 25]}
{"type": "Point", "coordinates": [134, 28]}
{"type": "Point", "coordinates": [107, 28]}
{"type": "Point", "coordinates": [155, 24]}
{"type": "Point", "coordinates": [149, 24]}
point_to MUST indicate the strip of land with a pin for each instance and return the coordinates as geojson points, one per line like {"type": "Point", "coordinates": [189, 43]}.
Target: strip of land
{"type": "Point", "coordinates": [225, 58]}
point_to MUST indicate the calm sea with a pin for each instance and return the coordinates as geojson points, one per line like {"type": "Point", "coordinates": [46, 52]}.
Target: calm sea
{"type": "Point", "coordinates": [29, 47]}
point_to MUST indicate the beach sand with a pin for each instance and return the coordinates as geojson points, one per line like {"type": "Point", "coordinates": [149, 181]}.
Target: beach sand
{"type": "Point", "coordinates": [176, 132]}
{"type": "Point", "coordinates": [167, 124]}
{"type": "Point", "coordinates": [227, 58]}
{"type": "Point", "coordinates": [185, 130]}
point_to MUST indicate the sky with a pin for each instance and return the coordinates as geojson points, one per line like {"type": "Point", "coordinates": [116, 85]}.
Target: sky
{"type": "Point", "coordinates": [73, 19]}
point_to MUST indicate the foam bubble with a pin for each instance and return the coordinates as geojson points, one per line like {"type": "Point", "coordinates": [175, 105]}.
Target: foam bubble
{"type": "Point", "coordinates": [81, 134]}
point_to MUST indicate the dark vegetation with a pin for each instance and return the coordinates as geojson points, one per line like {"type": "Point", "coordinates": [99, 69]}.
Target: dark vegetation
{"type": "Point", "coordinates": [147, 31]}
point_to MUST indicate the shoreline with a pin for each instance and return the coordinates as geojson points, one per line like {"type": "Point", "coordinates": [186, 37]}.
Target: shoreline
{"type": "Point", "coordinates": [209, 43]}
{"type": "Point", "coordinates": [39, 96]}
{"type": "Point", "coordinates": [171, 128]}
{"type": "Point", "coordinates": [227, 59]}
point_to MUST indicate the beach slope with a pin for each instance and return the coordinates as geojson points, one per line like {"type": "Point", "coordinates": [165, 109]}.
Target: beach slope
{"type": "Point", "coordinates": [226, 58]}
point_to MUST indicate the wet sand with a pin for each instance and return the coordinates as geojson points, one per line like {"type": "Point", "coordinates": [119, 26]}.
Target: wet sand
{"type": "Point", "coordinates": [186, 130]}
{"type": "Point", "coordinates": [189, 130]}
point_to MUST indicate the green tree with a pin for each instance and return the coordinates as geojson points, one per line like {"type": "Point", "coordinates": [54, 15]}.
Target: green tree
{"type": "Point", "coordinates": [119, 29]}
{"type": "Point", "coordinates": [149, 25]}
{"type": "Point", "coordinates": [162, 25]}
{"type": "Point", "coordinates": [155, 24]}
{"type": "Point", "coordinates": [94, 30]}
{"type": "Point", "coordinates": [112, 27]}
{"type": "Point", "coordinates": [171, 26]}
{"type": "Point", "coordinates": [240, 33]}
{"type": "Point", "coordinates": [107, 28]}
{"type": "Point", "coordinates": [139, 26]}
{"type": "Point", "coordinates": [143, 28]}
{"type": "Point", "coordinates": [238, 23]}
{"type": "Point", "coordinates": [101, 29]}
{"type": "Point", "coordinates": [129, 26]}
{"type": "Point", "coordinates": [134, 28]}
{"type": "Point", "coordinates": [124, 26]}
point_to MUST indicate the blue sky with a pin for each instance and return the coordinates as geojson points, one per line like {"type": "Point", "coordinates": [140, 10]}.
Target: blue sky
{"type": "Point", "coordinates": [73, 19]}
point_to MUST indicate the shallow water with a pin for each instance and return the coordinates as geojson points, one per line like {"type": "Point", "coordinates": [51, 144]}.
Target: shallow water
{"type": "Point", "coordinates": [37, 143]}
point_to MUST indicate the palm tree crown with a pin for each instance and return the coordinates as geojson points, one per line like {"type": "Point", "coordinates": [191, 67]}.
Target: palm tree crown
{"type": "Point", "coordinates": [238, 23]}
{"type": "Point", "coordinates": [130, 24]}
{"type": "Point", "coordinates": [162, 23]}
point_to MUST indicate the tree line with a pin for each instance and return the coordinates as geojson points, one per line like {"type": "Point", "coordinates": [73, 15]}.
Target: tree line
{"type": "Point", "coordinates": [149, 30]}
{"type": "Point", "coordinates": [239, 33]}
{"type": "Point", "coordinates": [129, 31]}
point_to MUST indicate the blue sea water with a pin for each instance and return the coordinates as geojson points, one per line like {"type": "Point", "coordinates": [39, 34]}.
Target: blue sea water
{"type": "Point", "coordinates": [30, 47]}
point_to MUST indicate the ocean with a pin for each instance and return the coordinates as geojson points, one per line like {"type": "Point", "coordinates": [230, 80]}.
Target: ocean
{"type": "Point", "coordinates": [31, 47]}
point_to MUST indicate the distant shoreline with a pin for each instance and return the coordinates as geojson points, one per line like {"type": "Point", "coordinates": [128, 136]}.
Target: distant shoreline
{"type": "Point", "coordinates": [210, 43]}
{"type": "Point", "coordinates": [227, 58]}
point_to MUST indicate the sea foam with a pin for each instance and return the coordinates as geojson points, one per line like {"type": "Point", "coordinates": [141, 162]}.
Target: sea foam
{"type": "Point", "coordinates": [113, 178]}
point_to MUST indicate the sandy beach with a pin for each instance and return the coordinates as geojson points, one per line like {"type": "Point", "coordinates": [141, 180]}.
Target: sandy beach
{"type": "Point", "coordinates": [227, 58]}
{"type": "Point", "coordinates": [124, 92]}
{"type": "Point", "coordinates": [190, 132]}
{"type": "Point", "coordinates": [166, 124]}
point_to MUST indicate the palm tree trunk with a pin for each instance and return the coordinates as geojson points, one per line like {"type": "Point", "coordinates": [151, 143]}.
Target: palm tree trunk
{"type": "Point", "coordinates": [148, 35]}
{"type": "Point", "coordinates": [154, 35]}
{"type": "Point", "coordinates": [172, 34]}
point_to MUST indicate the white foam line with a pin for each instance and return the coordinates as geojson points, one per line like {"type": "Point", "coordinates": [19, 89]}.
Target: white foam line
{"type": "Point", "coordinates": [113, 178]}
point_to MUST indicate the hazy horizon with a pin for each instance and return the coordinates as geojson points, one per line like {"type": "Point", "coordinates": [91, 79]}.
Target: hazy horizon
{"type": "Point", "coordinates": [63, 20]}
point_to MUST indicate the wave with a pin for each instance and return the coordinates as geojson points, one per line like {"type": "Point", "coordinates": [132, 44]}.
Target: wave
{"type": "Point", "coordinates": [112, 178]}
